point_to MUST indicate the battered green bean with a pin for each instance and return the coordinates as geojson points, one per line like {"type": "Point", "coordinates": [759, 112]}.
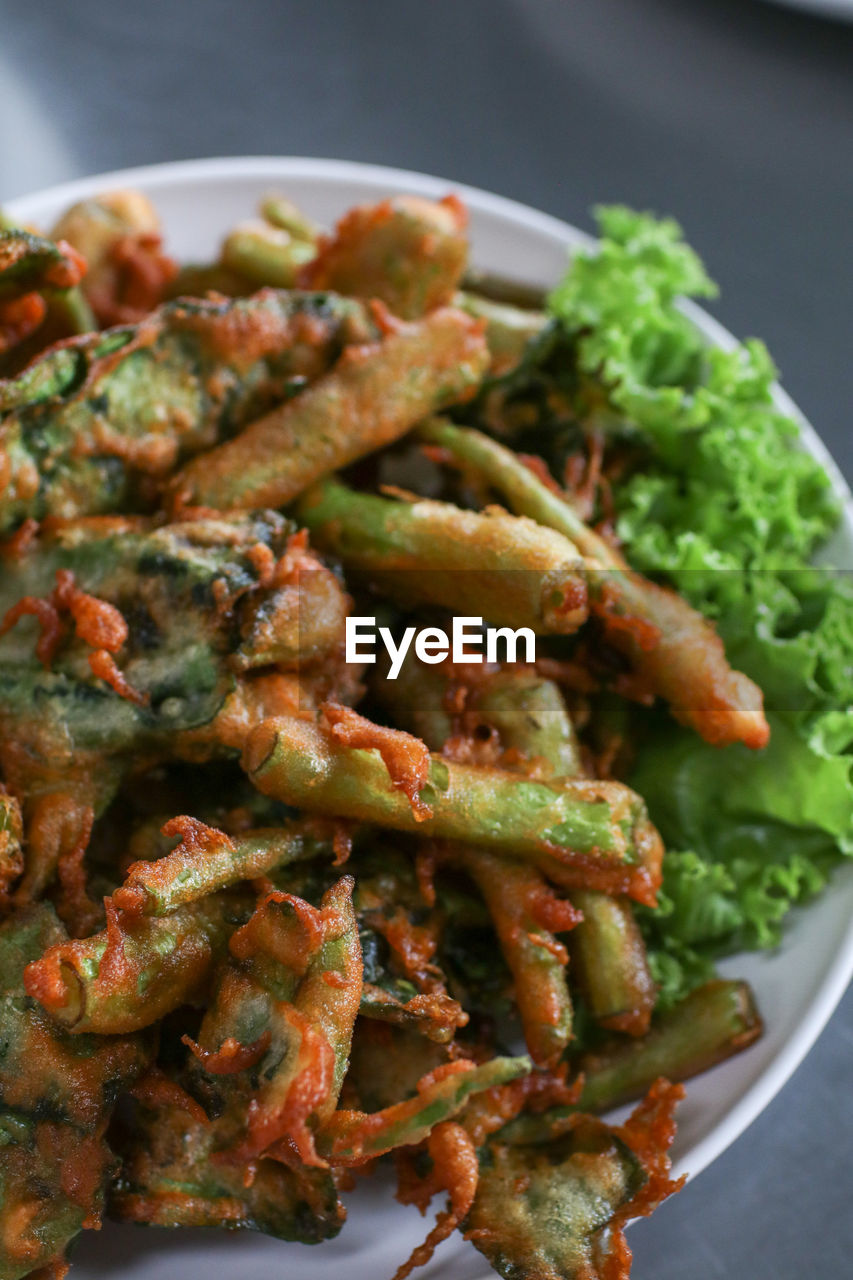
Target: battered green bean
{"type": "Point", "coordinates": [672, 646]}
{"type": "Point", "coordinates": [374, 395]}
{"type": "Point", "coordinates": [526, 916]}
{"type": "Point", "coordinates": [594, 832]}
{"type": "Point", "coordinates": [207, 860]}
{"type": "Point", "coordinates": [281, 212]}
{"type": "Point", "coordinates": [31, 264]}
{"type": "Point", "coordinates": [610, 963]}
{"type": "Point", "coordinates": [266, 255]}
{"type": "Point", "coordinates": [506, 568]}
{"type": "Point", "coordinates": [354, 1137]}
{"type": "Point", "coordinates": [137, 969]}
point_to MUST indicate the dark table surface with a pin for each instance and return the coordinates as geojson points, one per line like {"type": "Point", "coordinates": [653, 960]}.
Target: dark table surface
{"type": "Point", "coordinates": [733, 115]}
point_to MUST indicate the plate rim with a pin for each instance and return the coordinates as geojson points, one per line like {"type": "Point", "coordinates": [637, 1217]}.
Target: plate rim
{"type": "Point", "coordinates": [838, 974]}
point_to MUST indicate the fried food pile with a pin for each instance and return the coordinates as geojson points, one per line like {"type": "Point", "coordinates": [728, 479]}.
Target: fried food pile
{"type": "Point", "coordinates": [270, 916]}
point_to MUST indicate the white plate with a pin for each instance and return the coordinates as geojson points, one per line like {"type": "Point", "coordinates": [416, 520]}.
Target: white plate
{"type": "Point", "coordinates": [797, 987]}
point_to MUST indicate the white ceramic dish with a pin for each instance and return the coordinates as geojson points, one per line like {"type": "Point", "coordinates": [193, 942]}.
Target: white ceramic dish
{"type": "Point", "coordinates": [797, 987]}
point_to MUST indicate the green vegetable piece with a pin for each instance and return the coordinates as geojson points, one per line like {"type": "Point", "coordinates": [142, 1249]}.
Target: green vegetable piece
{"type": "Point", "coordinates": [507, 569]}
{"type": "Point", "coordinates": [296, 995]}
{"type": "Point", "coordinates": [542, 1214]}
{"type": "Point", "coordinates": [352, 1137]}
{"type": "Point", "coordinates": [671, 645]}
{"type": "Point", "coordinates": [90, 423]}
{"type": "Point", "coordinates": [408, 252]}
{"type": "Point", "coordinates": [171, 1177]}
{"type": "Point", "coordinates": [708, 1026]}
{"type": "Point", "coordinates": [266, 255]}
{"type": "Point", "coordinates": [509, 329]}
{"type": "Point", "coordinates": [374, 395]}
{"type": "Point", "coordinates": [281, 212]}
{"type": "Point", "coordinates": [56, 1097]}
{"type": "Point", "coordinates": [610, 964]}
{"type": "Point", "coordinates": [522, 907]}
{"type": "Point", "coordinates": [31, 264]}
{"type": "Point", "coordinates": [589, 832]}
{"type": "Point", "coordinates": [180, 590]}
{"type": "Point", "coordinates": [137, 969]}
{"type": "Point", "coordinates": [207, 860]}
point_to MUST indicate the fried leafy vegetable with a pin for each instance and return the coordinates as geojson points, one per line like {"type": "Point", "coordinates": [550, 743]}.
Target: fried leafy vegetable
{"type": "Point", "coordinates": [556, 1212]}
{"type": "Point", "coordinates": [93, 422]}
{"type": "Point", "coordinates": [57, 1094]}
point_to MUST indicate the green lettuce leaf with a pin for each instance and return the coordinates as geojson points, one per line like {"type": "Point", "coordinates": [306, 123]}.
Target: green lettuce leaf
{"type": "Point", "coordinates": [724, 505]}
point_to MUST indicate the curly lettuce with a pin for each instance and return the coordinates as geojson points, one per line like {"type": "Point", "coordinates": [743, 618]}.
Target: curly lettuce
{"type": "Point", "coordinates": [723, 504]}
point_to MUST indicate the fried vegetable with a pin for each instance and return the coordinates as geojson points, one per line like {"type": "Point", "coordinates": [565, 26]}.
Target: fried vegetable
{"type": "Point", "coordinates": [93, 422]}
{"type": "Point", "coordinates": [610, 964]}
{"type": "Point", "coordinates": [509, 329]}
{"type": "Point", "coordinates": [137, 969]}
{"type": "Point", "coordinates": [556, 1212]}
{"type": "Point", "coordinates": [207, 860]}
{"type": "Point", "coordinates": [526, 915]}
{"type": "Point", "coordinates": [408, 252]}
{"type": "Point", "coordinates": [543, 1213]}
{"type": "Point", "coordinates": [167, 604]}
{"type": "Point", "coordinates": [507, 569]}
{"type": "Point", "coordinates": [353, 1137]}
{"type": "Point", "coordinates": [712, 1023]}
{"type": "Point", "coordinates": [287, 1008]}
{"type": "Point", "coordinates": [172, 1178]}
{"type": "Point", "coordinates": [375, 394]}
{"type": "Point", "coordinates": [281, 212]}
{"type": "Point", "coordinates": [40, 298]}
{"type": "Point", "coordinates": [591, 832]}
{"type": "Point", "coordinates": [266, 255]}
{"type": "Point", "coordinates": [675, 650]}
{"type": "Point", "coordinates": [11, 842]}
{"type": "Point", "coordinates": [57, 1094]}
{"type": "Point", "coordinates": [29, 263]}
{"type": "Point", "coordinates": [118, 234]}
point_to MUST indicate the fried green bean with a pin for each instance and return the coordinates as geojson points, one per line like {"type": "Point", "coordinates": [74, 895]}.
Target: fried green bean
{"type": "Point", "coordinates": [266, 255]}
{"type": "Point", "coordinates": [408, 252]}
{"type": "Point", "coordinates": [610, 964]}
{"type": "Point", "coordinates": [526, 915]}
{"type": "Point", "coordinates": [354, 1137]}
{"type": "Point", "coordinates": [594, 832]}
{"type": "Point", "coordinates": [31, 264]}
{"type": "Point", "coordinates": [674, 649]}
{"type": "Point", "coordinates": [508, 329]}
{"type": "Point", "coordinates": [207, 860]}
{"type": "Point", "coordinates": [92, 422]}
{"type": "Point", "coordinates": [708, 1026]}
{"type": "Point", "coordinates": [57, 1094]}
{"type": "Point", "coordinates": [281, 212]}
{"type": "Point", "coordinates": [375, 394]}
{"type": "Point", "coordinates": [295, 995]}
{"type": "Point", "coordinates": [137, 969]}
{"type": "Point", "coordinates": [507, 569]}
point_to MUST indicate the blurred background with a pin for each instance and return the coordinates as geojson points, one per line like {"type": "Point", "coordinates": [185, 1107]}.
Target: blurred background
{"type": "Point", "coordinates": [736, 116]}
